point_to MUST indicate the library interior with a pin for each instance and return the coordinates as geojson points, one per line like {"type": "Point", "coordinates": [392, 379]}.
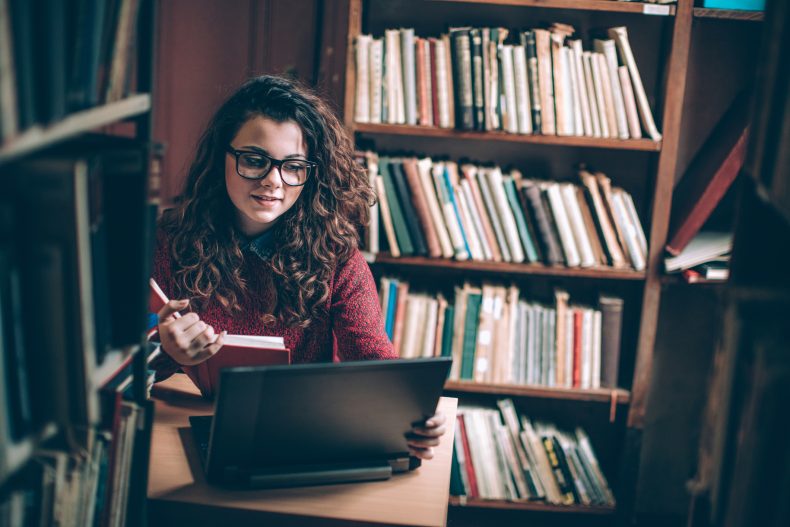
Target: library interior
{"type": "Point", "coordinates": [394, 262]}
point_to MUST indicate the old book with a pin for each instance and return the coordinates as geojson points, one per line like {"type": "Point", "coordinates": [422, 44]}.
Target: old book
{"type": "Point", "coordinates": [467, 222]}
{"type": "Point", "coordinates": [452, 180]}
{"type": "Point", "coordinates": [386, 217]}
{"type": "Point", "coordinates": [528, 41]}
{"type": "Point", "coordinates": [597, 329]}
{"type": "Point", "coordinates": [709, 175]}
{"type": "Point", "coordinates": [539, 212]}
{"type": "Point", "coordinates": [491, 209]}
{"type": "Point", "coordinates": [592, 98]}
{"type": "Point", "coordinates": [485, 39]}
{"type": "Point", "coordinates": [462, 79]}
{"type": "Point", "coordinates": [449, 74]}
{"type": "Point", "coordinates": [608, 95]}
{"type": "Point", "coordinates": [421, 80]}
{"type": "Point", "coordinates": [484, 344]}
{"type": "Point", "coordinates": [123, 47]}
{"type": "Point", "coordinates": [441, 312]}
{"type": "Point", "coordinates": [505, 214]}
{"type": "Point", "coordinates": [434, 207]}
{"type": "Point", "coordinates": [561, 219]}
{"type": "Point", "coordinates": [620, 36]}
{"type": "Point", "coordinates": [629, 230]}
{"type": "Point", "coordinates": [370, 240]}
{"type": "Point", "coordinates": [376, 72]}
{"type": "Point", "coordinates": [576, 91]}
{"type": "Point", "coordinates": [405, 242]}
{"type": "Point", "coordinates": [509, 104]}
{"type": "Point", "coordinates": [630, 208]}
{"type": "Point", "coordinates": [600, 98]}
{"type": "Point", "coordinates": [475, 216]}
{"type": "Point", "coordinates": [449, 212]}
{"type": "Point", "coordinates": [605, 186]}
{"type": "Point", "coordinates": [478, 93]}
{"type": "Point", "coordinates": [433, 71]}
{"type": "Point", "coordinates": [561, 307]}
{"type": "Point", "coordinates": [583, 243]}
{"type": "Point", "coordinates": [419, 200]}
{"type": "Point", "coordinates": [584, 100]}
{"type": "Point", "coordinates": [443, 94]}
{"type": "Point", "coordinates": [611, 330]}
{"type": "Point", "coordinates": [404, 193]}
{"type": "Point", "coordinates": [530, 248]}
{"type": "Point", "coordinates": [409, 80]}
{"type": "Point", "coordinates": [492, 93]}
{"type": "Point", "coordinates": [533, 444]}
{"type": "Point", "coordinates": [523, 108]}
{"type": "Point", "coordinates": [607, 48]}
{"type": "Point", "coordinates": [362, 95]}
{"type": "Point", "coordinates": [631, 113]}
{"type": "Point", "coordinates": [603, 220]}
{"type": "Point", "coordinates": [590, 227]}
{"type": "Point", "coordinates": [413, 326]}
{"type": "Point", "coordinates": [399, 319]}
{"type": "Point", "coordinates": [485, 220]}
{"type": "Point", "coordinates": [393, 72]}
{"type": "Point", "coordinates": [545, 82]}
{"type": "Point", "coordinates": [561, 95]}
{"type": "Point", "coordinates": [474, 298]}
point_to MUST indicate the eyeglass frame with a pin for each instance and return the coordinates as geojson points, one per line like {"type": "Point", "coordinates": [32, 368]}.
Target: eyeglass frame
{"type": "Point", "coordinates": [312, 165]}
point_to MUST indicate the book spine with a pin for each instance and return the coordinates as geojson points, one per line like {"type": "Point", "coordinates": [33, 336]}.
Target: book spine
{"type": "Point", "coordinates": [546, 83]}
{"type": "Point", "coordinates": [547, 236]}
{"type": "Point", "coordinates": [534, 81]}
{"type": "Point", "coordinates": [462, 80]}
{"type": "Point", "coordinates": [478, 92]}
{"type": "Point", "coordinates": [509, 117]}
{"type": "Point", "coordinates": [421, 207]}
{"type": "Point", "coordinates": [362, 99]}
{"type": "Point", "coordinates": [524, 111]}
{"type": "Point", "coordinates": [409, 82]}
{"type": "Point", "coordinates": [376, 78]}
{"type": "Point", "coordinates": [629, 103]}
{"type": "Point", "coordinates": [386, 217]}
{"type": "Point", "coordinates": [398, 220]}
{"type": "Point", "coordinates": [610, 53]}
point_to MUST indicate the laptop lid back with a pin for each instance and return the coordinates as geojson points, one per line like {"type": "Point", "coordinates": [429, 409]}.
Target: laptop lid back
{"type": "Point", "coordinates": [280, 416]}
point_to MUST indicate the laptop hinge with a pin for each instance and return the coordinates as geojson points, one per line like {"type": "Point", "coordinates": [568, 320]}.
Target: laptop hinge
{"type": "Point", "coordinates": [303, 475]}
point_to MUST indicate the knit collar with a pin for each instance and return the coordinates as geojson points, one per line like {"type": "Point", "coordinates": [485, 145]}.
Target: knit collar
{"type": "Point", "coordinates": [262, 245]}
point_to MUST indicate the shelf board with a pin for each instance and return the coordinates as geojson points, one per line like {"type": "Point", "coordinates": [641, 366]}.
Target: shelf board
{"type": "Point", "coordinates": [114, 361]}
{"type": "Point", "coordinates": [510, 268]}
{"type": "Point", "coordinates": [456, 501]}
{"type": "Point", "coordinates": [74, 124]}
{"type": "Point", "coordinates": [729, 14]}
{"type": "Point", "coordinates": [645, 145]}
{"type": "Point", "coordinates": [517, 390]}
{"type": "Point", "coordinates": [587, 5]}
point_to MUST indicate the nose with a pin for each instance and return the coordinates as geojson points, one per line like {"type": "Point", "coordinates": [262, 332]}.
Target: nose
{"type": "Point", "coordinates": [271, 180]}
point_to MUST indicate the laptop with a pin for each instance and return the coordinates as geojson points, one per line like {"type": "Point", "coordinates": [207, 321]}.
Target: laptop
{"type": "Point", "coordinates": [311, 424]}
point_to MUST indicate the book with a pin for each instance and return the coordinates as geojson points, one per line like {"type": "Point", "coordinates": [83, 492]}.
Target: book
{"type": "Point", "coordinates": [434, 207]}
{"type": "Point", "coordinates": [420, 204]}
{"type": "Point", "coordinates": [584, 100]}
{"type": "Point", "coordinates": [629, 102]}
{"type": "Point", "coordinates": [710, 174]}
{"type": "Point", "coordinates": [409, 81]}
{"type": "Point", "coordinates": [376, 74]}
{"type": "Point", "coordinates": [704, 247]}
{"type": "Point", "coordinates": [386, 217]}
{"type": "Point", "coordinates": [362, 96]}
{"type": "Point", "coordinates": [237, 350]}
{"type": "Point", "coordinates": [462, 78]}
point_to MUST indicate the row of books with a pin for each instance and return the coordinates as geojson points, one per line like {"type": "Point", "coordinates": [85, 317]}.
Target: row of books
{"type": "Point", "coordinates": [541, 81]}
{"type": "Point", "coordinates": [103, 484]}
{"type": "Point", "coordinates": [499, 456]}
{"type": "Point", "coordinates": [443, 209]}
{"type": "Point", "coordinates": [495, 336]}
{"type": "Point", "coordinates": [60, 61]}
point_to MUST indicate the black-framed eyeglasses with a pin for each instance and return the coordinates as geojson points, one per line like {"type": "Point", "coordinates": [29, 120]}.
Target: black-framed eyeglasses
{"type": "Point", "coordinates": [255, 165]}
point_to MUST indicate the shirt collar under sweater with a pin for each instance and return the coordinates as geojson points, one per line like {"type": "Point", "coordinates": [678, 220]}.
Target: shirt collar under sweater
{"type": "Point", "coordinates": [262, 245]}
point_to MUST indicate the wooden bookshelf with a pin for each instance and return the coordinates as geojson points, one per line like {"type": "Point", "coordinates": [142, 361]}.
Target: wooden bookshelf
{"type": "Point", "coordinates": [39, 137]}
{"type": "Point", "coordinates": [729, 14]}
{"type": "Point", "coordinates": [607, 273]}
{"type": "Point", "coordinates": [538, 506]}
{"type": "Point", "coordinates": [644, 145]}
{"type": "Point", "coordinates": [611, 6]}
{"type": "Point", "coordinates": [545, 392]}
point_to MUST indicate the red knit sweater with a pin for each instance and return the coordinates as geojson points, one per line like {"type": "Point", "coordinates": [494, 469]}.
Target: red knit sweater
{"type": "Point", "coordinates": [354, 319]}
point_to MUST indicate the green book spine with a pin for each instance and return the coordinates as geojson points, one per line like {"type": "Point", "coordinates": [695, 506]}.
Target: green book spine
{"type": "Point", "coordinates": [447, 332]}
{"type": "Point", "coordinates": [521, 222]}
{"type": "Point", "coordinates": [398, 220]}
{"type": "Point", "coordinates": [470, 335]}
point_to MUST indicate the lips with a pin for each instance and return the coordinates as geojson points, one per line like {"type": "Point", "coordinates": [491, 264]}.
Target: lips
{"type": "Point", "coordinates": [266, 199]}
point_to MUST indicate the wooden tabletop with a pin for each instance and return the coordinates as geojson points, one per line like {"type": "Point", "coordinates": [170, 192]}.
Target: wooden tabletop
{"type": "Point", "coordinates": [179, 495]}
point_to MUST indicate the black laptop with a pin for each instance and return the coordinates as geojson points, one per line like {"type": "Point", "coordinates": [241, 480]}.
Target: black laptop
{"type": "Point", "coordinates": [284, 426]}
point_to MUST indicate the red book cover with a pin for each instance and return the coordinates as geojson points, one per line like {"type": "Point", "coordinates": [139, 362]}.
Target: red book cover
{"type": "Point", "coordinates": [470, 468]}
{"type": "Point", "coordinates": [709, 175]}
{"type": "Point", "coordinates": [577, 348]}
{"type": "Point", "coordinates": [237, 351]}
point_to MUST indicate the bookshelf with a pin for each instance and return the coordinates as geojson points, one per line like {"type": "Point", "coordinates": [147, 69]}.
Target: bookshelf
{"type": "Point", "coordinates": [455, 501]}
{"type": "Point", "coordinates": [73, 362]}
{"type": "Point", "coordinates": [729, 14]}
{"type": "Point", "coordinates": [661, 44]}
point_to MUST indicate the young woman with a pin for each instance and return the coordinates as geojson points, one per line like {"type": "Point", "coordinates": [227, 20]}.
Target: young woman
{"type": "Point", "coordinates": [263, 240]}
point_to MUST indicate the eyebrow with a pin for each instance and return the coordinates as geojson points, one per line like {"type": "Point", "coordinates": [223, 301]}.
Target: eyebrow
{"type": "Point", "coordinates": [264, 151]}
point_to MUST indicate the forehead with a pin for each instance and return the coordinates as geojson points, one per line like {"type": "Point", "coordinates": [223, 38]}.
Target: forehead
{"type": "Point", "coordinates": [279, 139]}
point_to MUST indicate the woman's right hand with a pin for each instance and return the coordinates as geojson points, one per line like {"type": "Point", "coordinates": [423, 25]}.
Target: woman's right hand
{"type": "Point", "coordinates": [187, 339]}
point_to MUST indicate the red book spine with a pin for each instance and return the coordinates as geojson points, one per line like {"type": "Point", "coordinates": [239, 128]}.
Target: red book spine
{"type": "Point", "coordinates": [470, 469]}
{"type": "Point", "coordinates": [577, 348]}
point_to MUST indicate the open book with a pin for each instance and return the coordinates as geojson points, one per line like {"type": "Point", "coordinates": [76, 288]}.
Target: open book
{"type": "Point", "coordinates": [237, 350]}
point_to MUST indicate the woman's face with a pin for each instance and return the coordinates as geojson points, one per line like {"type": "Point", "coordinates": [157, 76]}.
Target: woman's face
{"type": "Point", "coordinates": [260, 203]}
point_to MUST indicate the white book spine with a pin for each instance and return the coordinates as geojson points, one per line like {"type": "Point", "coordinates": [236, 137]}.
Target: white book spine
{"type": "Point", "coordinates": [560, 95]}
{"type": "Point", "coordinates": [560, 215]}
{"type": "Point", "coordinates": [631, 209]}
{"type": "Point", "coordinates": [476, 251]}
{"type": "Point", "coordinates": [576, 88]}
{"type": "Point", "coordinates": [429, 87]}
{"type": "Point", "coordinates": [620, 36]}
{"type": "Point", "coordinates": [476, 220]}
{"type": "Point", "coordinates": [571, 203]}
{"type": "Point", "coordinates": [610, 53]}
{"type": "Point", "coordinates": [409, 73]}
{"type": "Point", "coordinates": [629, 232]}
{"type": "Point", "coordinates": [429, 341]}
{"type": "Point", "coordinates": [506, 214]}
{"type": "Point", "coordinates": [450, 218]}
{"type": "Point", "coordinates": [600, 101]}
{"type": "Point", "coordinates": [376, 78]}
{"type": "Point", "coordinates": [493, 88]}
{"type": "Point", "coordinates": [373, 227]}
{"type": "Point", "coordinates": [584, 100]}
{"type": "Point", "coordinates": [524, 110]}
{"type": "Point", "coordinates": [568, 382]}
{"type": "Point", "coordinates": [611, 116]}
{"type": "Point", "coordinates": [587, 331]}
{"type": "Point", "coordinates": [385, 213]}
{"type": "Point", "coordinates": [393, 78]}
{"type": "Point", "coordinates": [592, 97]}
{"type": "Point", "coordinates": [567, 88]}
{"type": "Point", "coordinates": [434, 206]}
{"type": "Point", "coordinates": [631, 113]}
{"type": "Point", "coordinates": [362, 99]}
{"type": "Point", "coordinates": [509, 110]}
{"type": "Point", "coordinates": [442, 89]}
{"type": "Point", "coordinates": [596, 353]}
{"type": "Point", "coordinates": [496, 222]}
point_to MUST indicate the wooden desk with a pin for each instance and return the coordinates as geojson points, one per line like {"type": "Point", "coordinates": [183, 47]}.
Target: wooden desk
{"type": "Point", "coordinates": [179, 495]}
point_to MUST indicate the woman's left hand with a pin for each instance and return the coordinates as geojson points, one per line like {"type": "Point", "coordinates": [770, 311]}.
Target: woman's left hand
{"type": "Point", "coordinates": [423, 438]}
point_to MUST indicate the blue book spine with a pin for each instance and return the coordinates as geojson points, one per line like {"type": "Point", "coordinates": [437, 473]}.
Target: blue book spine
{"type": "Point", "coordinates": [451, 195]}
{"type": "Point", "coordinates": [391, 304]}
{"type": "Point", "coordinates": [521, 222]}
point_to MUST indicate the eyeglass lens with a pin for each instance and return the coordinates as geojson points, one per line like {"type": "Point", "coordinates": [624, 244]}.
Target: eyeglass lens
{"type": "Point", "coordinates": [255, 166]}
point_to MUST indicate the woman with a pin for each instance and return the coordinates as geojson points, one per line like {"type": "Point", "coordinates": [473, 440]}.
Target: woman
{"type": "Point", "coordinates": [264, 239]}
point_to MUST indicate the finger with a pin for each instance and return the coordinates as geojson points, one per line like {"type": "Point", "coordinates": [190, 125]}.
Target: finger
{"type": "Point", "coordinates": [171, 309]}
{"type": "Point", "coordinates": [208, 351]}
{"type": "Point", "coordinates": [429, 432]}
{"type": "Point", "coordinates": [422, 443]}
{"type": "Point", "coordinates": [437, 419]}
{"type": "Point", "coordinates": [422, 453]}
{"type": "Point", "coordinates": [203, 339]}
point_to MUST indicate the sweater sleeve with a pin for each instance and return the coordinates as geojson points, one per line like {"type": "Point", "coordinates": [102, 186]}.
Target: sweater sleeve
{"type": "Point", "coordinates": [356, 314]}
{"type": "Point", "coordinates": [163, 365]}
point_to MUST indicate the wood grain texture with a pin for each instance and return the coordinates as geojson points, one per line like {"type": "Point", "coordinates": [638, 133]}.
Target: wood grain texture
{"type": "Point", "coordinates": [177, 483]}
{"type": "Point", "coordinates": [729, 14]}
{"type": "Point", "coordinates": [456, 501]}
{"type": "Point", "coordinates": [580, 5]}
{"type": "Point", "coordinates": [543, 392]}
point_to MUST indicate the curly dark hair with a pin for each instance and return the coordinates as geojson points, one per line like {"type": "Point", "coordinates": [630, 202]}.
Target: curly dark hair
{"type": "Point", "coordinates": [316, 234]}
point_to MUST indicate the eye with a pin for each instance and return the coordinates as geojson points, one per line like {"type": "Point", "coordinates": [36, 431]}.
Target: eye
{"type": "Point", "coordinates": [294, 166]}
{"type": "Point", "coordinates": [254, 161]}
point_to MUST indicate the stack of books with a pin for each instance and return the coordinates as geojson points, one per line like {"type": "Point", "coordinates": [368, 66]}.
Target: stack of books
{"type": "Point", "coordinates": [445, 210]}
{"type": "Point", "coordinates": [495, 336]}
{"type": "Point", "coordinates": [540, 81]}
{"type": "Point", "coordinates": [498, 456]}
